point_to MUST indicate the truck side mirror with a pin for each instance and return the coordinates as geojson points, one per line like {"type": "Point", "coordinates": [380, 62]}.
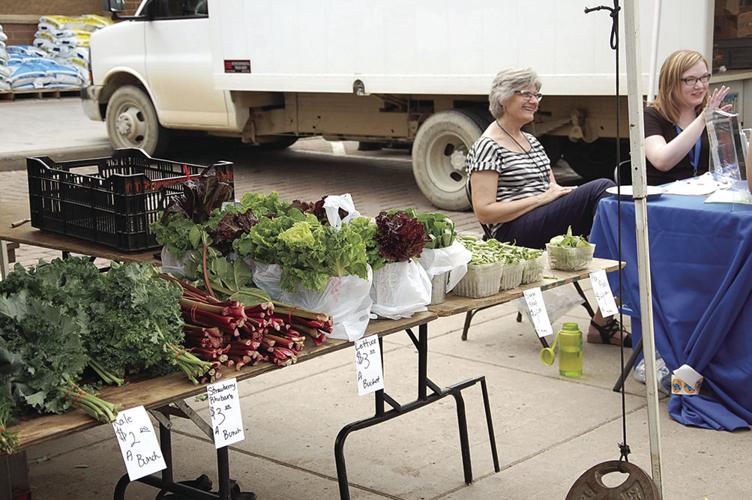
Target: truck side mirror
{"type": "Point", "coordinates": [115, 6]}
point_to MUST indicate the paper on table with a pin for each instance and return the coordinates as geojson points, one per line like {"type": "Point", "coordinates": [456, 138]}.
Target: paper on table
{"type": "Point", "coordinates": [730, 196]}
{"type": "Point", "coordinates": [694, 186]}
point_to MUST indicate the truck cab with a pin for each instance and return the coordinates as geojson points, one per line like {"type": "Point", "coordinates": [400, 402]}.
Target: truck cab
{"type": "Point", "coordinates": [153, 73]}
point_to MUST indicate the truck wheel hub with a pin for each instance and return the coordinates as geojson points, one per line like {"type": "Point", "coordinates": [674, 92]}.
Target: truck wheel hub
{"type": "Point", "coordinates": [130, 125]}
{"type": "Point", "coordinates": [457, 158]}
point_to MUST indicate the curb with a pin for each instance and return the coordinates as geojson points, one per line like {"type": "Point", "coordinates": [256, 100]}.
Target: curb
{"type": "Point", "coordinates": [17, 159]}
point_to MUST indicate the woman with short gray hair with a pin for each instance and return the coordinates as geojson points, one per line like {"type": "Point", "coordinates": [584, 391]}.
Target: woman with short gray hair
{"type": "Point", "coordinates": [513, 187]}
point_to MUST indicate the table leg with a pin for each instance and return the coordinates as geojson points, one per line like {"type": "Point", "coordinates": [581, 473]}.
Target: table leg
{"type": "Point", "coordinates": [424, 399]}
{"type": "Point", "coordinates": [199, 489]}
{"type": "Point", "coordinates": [4, 264]}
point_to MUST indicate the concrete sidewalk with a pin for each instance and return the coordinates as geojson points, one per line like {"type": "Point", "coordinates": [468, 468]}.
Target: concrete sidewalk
{"type": "Point", "coordinates": [549, 429]}
{"type": "Point", "coordinates": [52, 127]}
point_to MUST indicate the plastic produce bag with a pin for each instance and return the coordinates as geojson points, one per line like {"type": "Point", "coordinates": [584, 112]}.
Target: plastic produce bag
{"type": "Point", "coordinates": [346, 299]}
{"type": "Point", "coordinates": [174, 265]}
{"type": "Point", "coordinates": [400, 289]}
{"type": "Point", "coordinates": [333, 203]}
{"type": "Point", "coordinates": [452, 259]}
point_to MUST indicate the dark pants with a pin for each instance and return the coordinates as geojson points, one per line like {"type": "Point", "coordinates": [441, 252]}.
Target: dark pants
{"type": "Point", "coordinates": [576, 209]}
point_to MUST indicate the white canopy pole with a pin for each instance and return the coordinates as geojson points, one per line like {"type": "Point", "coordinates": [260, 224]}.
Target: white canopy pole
{"type": "Point", "coordinates": [654, 49]}
{"type": "Point", "coordinates": [636, 136]}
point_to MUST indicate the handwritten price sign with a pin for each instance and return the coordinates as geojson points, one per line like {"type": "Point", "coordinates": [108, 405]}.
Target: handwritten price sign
{"type": "Point", "coordinates": [138, 443]}
{"type": "Point", "coordinates": [224, 410]}
{"type": "Point", "coordinates": [368, 365]}
{"type": "Point", "coordinates": [603, 295]}
{"type": "Point", "coordinates": [534, 299]}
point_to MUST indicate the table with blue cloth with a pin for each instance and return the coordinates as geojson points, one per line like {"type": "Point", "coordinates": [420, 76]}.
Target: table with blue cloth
{"type": "Point", "coordinates": [701, 268]}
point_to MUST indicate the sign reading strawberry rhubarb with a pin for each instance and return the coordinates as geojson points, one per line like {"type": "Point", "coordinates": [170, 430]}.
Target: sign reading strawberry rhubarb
{"type": "Point", "coordinates": [224, 409]}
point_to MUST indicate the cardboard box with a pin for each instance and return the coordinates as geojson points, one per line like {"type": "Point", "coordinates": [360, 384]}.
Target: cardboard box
{"type": "Point", "coordinates": [744, 24]}
{"type": "Point", "coordinates": [725, 26]}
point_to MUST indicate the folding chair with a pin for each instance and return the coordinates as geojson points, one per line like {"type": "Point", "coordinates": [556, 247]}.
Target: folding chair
{"type": "Point", "coordinates": [487, 235]}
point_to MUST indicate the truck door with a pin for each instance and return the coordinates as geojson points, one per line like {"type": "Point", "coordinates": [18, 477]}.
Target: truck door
{"type": "Point", "coordinates": [178, 65]}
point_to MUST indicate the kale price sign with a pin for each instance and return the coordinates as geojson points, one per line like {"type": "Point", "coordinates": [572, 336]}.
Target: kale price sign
{"type": "Point", "coordinates": [224, 410]}
{"type": "Point", "coordinates": [138, 443]}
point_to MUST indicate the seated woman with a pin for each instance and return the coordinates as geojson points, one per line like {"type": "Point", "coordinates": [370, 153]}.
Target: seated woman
{"type": "Point", "coordinates": [676, 142]}
{"type": "Point", "coordinates": [513, 187]}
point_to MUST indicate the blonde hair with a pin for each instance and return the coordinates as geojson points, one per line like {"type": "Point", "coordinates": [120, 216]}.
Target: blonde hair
{"type": "Point", "coordinates": [669, 80]}
{"type": "Point", "coordinates": [506, 83]}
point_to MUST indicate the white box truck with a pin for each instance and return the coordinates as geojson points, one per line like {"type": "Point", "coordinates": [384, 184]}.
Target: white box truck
{"type": "Point", "coordinates": [410, 71]}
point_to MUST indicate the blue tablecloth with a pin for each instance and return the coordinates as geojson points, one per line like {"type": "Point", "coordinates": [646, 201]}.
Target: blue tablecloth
{"type": "Point", "coordinates": [701, 268]}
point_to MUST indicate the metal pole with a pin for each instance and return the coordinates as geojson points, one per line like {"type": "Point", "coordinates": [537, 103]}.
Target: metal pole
{"type": "Point", "coordinates": [636, 135]}
{"type": "Point", "coordinates": [654, 49]}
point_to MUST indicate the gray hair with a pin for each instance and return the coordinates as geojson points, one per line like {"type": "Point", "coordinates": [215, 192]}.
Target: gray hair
{"type": "Point", "coordinates": [506, 83]}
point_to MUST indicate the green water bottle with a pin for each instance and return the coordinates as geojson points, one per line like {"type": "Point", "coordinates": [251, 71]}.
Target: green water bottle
{"type": "Point", "coordinates": [569, 341]}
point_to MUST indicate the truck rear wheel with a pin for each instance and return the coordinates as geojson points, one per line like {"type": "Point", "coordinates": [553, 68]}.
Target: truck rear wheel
{"type": "Point", "coordinates": [439, 152]}
{"type": "Point", "coordinates": [132, 121]}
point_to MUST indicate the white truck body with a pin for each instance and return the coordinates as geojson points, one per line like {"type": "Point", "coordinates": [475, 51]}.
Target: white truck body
{"type": "Point", "coordinates": [412, 71]}
{"type": "Point", "coordinates": [446, 47]}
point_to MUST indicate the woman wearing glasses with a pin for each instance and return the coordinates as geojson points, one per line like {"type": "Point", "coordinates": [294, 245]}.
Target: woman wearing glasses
{"type": "Point", "coordinates": [676, 143]}
{"type": "Point", "coordinates": [513, 187]}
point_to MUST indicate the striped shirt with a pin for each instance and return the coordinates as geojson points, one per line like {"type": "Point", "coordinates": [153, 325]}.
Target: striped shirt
{"type": "Point", "coordinates": [521, 175]}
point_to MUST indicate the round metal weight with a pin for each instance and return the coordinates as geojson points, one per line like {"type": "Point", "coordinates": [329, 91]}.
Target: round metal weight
{"type": "Point", "coordinates": [638, 485]}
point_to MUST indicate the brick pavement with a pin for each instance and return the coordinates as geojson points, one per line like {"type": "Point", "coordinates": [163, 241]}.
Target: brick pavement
{"type": "Point", "coordinates": [306, 172]}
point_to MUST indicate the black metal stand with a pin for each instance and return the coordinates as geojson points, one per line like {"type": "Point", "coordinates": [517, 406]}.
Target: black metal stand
{"type": "Point", "coordinates": [424, 399]}
{"type": "Point", "coordinates": [636, 351]}
{"type": "Point", "coordinates": [199, 489]}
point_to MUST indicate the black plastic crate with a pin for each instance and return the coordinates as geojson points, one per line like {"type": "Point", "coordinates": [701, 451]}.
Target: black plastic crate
{"type": "Point", "coordinates": [110, 201]}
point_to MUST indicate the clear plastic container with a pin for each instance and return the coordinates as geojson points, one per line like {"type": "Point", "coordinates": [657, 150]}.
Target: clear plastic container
{"type": "Point", "coordinates": [569, 259]}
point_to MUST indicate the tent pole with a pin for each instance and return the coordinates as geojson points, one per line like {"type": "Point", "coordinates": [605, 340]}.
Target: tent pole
{"type": "Point", "coordinates": [636, 137]}
{"type": "Point", "coordinates": [654, 49]}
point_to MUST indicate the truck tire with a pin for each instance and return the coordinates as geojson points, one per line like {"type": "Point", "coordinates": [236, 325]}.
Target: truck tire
{"type": "Point", "coordinates": [132, 122]}
{"type": "Point", "coordinates": [439, 152]}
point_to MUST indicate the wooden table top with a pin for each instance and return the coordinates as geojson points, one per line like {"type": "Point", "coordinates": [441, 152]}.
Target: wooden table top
{"type": "Point", "coordinates": [551, 278]}
{"type": "Point", "coordinates": [157, 392]}
{"type": "Point", "coordinates": [12, 213]}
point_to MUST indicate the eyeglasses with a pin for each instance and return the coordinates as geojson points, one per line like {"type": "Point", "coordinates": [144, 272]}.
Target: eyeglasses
{"type": "Point", "coordinates": [691, 81]}
{"type": "Point", "coordinates": [528, 96]}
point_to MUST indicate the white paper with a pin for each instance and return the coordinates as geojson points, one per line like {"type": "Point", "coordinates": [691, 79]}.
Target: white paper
{"type": "Point", "coordinates": [693, 186]}
{"type": "Point", "coordinates": [224, 410]}
{"type": "Point", "coordinates": [730, 196]}
{"type": "Point", "coordinates": [603, 294]}
{"type": "Point", "coordinates": [368, 365]}
{"type": "Point", "coordinates": [138, 443]}
{"type": "Point", "coordinates": [534, 299]}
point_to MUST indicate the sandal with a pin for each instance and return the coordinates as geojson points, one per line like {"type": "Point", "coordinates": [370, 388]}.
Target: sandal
{"type": "Point", "coordinates": [608, 331]}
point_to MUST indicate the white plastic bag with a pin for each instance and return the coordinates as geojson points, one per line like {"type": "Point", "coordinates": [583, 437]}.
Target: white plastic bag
{"type": "Point", "coordinates": [400, 289]}
{"type": "Point", "coordinates": [346, 299]}
{"type": "Point", "coordinates": [558, 302]}
{"type": "Point", "coordinates": [452, 259]}
{"type": "Point", "coordinates": [176, 266]}
{"type": "Point", "coordinates": [333, 203]}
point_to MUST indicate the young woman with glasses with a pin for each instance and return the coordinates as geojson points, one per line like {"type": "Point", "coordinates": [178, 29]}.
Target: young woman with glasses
{"type": "Point", "coordinates": [513, 188]}
{"type": "Point", "coordinates": [676, 142]}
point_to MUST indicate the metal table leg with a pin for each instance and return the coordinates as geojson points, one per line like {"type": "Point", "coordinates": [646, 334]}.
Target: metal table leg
{"type": "Point", "coordinates": [424, 399]}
